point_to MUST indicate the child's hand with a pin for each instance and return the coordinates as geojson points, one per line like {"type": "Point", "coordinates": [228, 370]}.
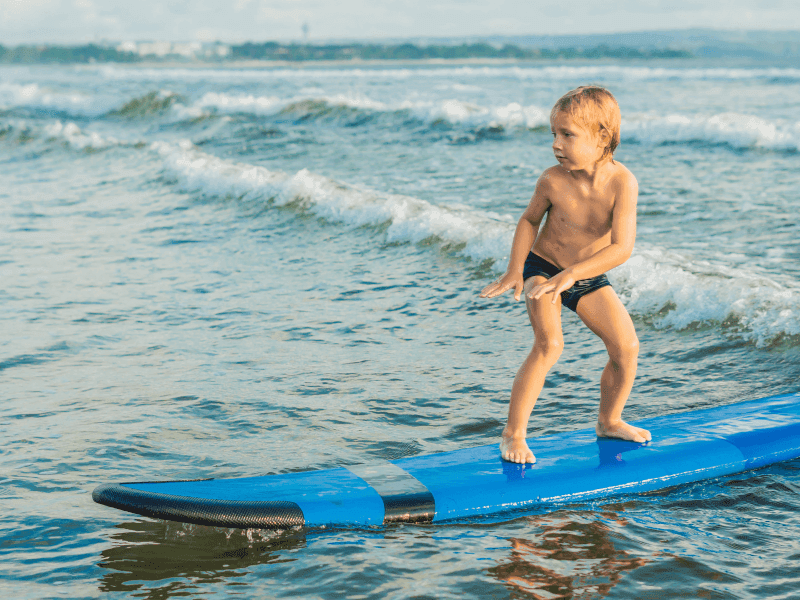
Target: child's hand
{"type": "Point", "coordinates": [505, 283]}
{"type": "Point", "coordinates": [555, 285]}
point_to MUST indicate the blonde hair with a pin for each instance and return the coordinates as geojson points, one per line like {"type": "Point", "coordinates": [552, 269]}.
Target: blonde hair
{"type": "Point", "coordinates": [595, 108]}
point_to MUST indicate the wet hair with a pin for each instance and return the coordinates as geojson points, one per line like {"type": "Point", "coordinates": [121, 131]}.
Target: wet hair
{"type": "Point", "coordinates": [593, 107]}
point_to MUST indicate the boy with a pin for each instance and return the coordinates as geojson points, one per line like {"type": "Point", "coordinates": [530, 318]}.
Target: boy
{"type": "Point", "coordinates": [590, 203]}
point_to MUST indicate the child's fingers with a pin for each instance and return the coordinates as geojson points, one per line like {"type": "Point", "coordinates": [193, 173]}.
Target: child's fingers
{"type": "Point", "coordinates": [493, 289]}
{"type": "Point", "coordinates": [518, 289]}
{"type": "Point", "coordinates": [538, 291]}
{"type": "Point", "coordinates": [487, 291]}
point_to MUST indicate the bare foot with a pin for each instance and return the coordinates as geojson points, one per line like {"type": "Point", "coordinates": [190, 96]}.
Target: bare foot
{"type": "Point", "coordinates": [623, 431]}
{"type": "Point", "coordinates": [516, 450]}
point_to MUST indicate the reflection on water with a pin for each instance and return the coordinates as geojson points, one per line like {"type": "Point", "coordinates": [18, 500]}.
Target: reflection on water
{"type": "Point", "coordinates": [178, 557]}
{"type": "Point", "coordinates": [567, 559]}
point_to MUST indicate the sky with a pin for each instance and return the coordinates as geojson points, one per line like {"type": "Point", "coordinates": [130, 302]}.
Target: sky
{"type": "Point", "coordinates": [81, 21]}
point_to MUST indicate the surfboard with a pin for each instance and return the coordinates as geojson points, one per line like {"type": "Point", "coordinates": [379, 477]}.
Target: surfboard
{"type": "Point", "coordinates": [571, 467]}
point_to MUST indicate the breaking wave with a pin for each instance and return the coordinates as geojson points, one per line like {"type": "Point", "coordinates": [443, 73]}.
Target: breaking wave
{"type": "Point", "coordinates": [478, 235]}
{"type": "Point", "coordinates": [733, 129]}
{"type": "Point", "coordinates": [61, 132]}
{"type": "Point", "coordinates": [360, 108]}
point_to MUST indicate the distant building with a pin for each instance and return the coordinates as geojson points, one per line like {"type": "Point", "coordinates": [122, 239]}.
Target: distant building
{"type": "Point", "coordinates": [189, 50]}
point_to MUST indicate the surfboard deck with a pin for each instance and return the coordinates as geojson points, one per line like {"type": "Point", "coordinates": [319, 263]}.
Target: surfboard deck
{"type": "Point", "coordinates": [572, 466]}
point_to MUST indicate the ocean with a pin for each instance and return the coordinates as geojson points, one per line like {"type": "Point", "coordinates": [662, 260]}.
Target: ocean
{"type": "Point", "coordinates": [224, 272]}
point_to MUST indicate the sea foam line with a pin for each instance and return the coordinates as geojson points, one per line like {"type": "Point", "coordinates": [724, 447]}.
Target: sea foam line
{"type": "Point", "coordinates": [669, 291]}
{"type": "Point", "coordinates": [402, 72]}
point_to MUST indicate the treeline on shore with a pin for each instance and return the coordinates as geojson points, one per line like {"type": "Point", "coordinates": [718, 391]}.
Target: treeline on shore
{"type": "Point", "coordinates": [299, 52]}
{"type": "Point", "coordinates": [275, 51]}
{"type": "Point", "coordinates": [64, 54]}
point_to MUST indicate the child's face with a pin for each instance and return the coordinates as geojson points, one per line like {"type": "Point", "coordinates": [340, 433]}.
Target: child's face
{"type": "Point", "coordinates": [575, 146]}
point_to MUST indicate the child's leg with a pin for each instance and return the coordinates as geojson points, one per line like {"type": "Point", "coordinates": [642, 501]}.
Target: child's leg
{"type": "Point", "coordinates": [603, 312]}
{"type": "Point", "coordinates": [545, 318]}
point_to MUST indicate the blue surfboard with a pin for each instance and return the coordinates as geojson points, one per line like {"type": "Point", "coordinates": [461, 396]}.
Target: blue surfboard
{"type": "Point", "coordinates": [573, 466]}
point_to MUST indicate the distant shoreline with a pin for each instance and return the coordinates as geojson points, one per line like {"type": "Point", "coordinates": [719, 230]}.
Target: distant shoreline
{"type": "Point", "coordinates": [434, 62]}
{"type": "Point", "coordinates": [375, 62]}
{"type": "Point", "coordinates": [387, 62]}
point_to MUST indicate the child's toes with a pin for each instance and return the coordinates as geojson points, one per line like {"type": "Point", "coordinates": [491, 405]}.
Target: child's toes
{"type": "Point", "coordinates": [645, 434]}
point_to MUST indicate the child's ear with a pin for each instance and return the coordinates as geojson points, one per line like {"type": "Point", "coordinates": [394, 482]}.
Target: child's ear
{"type": "Point", "coordinates": [604, 137]}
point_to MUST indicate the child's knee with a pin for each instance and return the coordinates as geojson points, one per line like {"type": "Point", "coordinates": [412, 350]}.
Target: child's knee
{"type": "Point", "coordinates": [550, 347]}
{"type": "Point", "coordinates": [625, 352]}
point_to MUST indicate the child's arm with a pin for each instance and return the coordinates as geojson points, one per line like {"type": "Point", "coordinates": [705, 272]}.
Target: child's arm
{"type": "Point", "coordinates": [623, 236]}
{"type": "Point", "coordinates": [525, 235]}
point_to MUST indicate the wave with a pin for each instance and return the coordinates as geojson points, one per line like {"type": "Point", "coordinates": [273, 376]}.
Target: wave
{"type": "Point", "coordinates": [33, 96]}
{"type": "Point", "coordinates": [733, 129]}
{"type": "Point", "coordinates": [476, 235]}
{"type": "Point", "coordinates": [66, 133]}
{"type": "Point", "coordinates": [153, 103]}
{"type": "Point", "coordinates": [667, 291]}
{"type": "Point", "coordinates": [356, 108]}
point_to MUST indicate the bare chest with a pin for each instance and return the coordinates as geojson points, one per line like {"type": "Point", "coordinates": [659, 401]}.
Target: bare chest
{"type": "Point", "coordinates": [582, 212]}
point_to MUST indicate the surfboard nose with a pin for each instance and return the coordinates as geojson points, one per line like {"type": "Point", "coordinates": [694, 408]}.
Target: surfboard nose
{"type": "Point", "coordinates": [265, 514]}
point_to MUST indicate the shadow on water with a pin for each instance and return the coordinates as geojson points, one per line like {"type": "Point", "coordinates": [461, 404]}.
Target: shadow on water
{"type": "Point", "coordinates": [181, 558]}
{"type": "Point", "coordinates": [566, 558]}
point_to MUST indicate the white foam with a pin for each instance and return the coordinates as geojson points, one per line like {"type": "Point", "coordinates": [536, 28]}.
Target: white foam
{"type": "Point", "coordinates": [671, 291]}
{"type": "Point", "coordinates": [737, 130]}
{"type": "Point", "coordinates": [678, 292]}
{"type": "Point", "coordinates": [510, 116]}
{"type": "Point", "coordinates": [77, 139]}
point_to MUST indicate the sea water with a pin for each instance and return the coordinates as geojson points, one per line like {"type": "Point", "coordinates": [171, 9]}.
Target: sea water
{"type": "Point", "coordinates": [222, 272]}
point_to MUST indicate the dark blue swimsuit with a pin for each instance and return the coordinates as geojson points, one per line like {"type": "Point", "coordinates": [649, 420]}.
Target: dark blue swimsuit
{"type": "Point", "coordinates": [536, 265]}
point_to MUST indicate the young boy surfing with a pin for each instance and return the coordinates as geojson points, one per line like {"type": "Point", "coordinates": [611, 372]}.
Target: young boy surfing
{"type": "Point", "coordinates": [590, 203]}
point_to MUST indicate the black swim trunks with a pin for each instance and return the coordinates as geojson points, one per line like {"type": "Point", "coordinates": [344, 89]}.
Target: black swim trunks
{"type": "Point", "coordinates": [536, 265]}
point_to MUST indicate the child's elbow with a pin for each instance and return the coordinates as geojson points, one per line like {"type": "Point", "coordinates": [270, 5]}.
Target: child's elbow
{"type": "Point", "coordinates": [624, 252]}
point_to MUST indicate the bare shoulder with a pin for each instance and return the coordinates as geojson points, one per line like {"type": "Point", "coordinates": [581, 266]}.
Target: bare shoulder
{"type": "Point", "coordinates": [551, 178]}
{"type": "Point", "coordinates": [623, 180]}
{"type": "Point", "coordinates": [551, 175]}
